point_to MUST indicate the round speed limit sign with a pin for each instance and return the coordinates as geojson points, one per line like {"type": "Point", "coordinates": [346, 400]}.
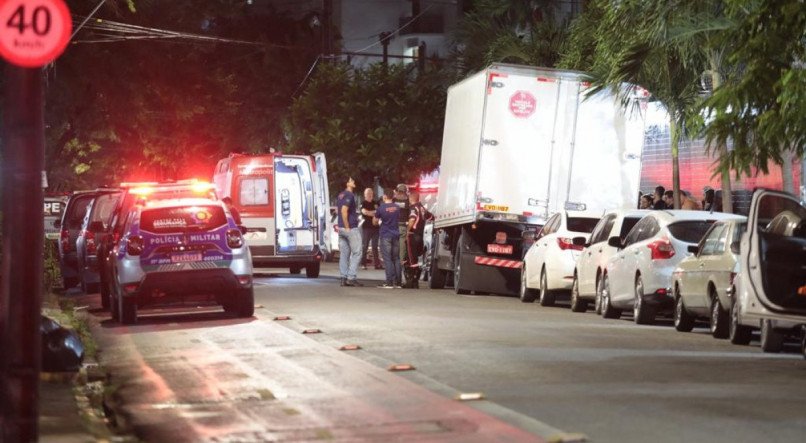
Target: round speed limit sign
{"type": "Point", "coordinates": [33, 32]}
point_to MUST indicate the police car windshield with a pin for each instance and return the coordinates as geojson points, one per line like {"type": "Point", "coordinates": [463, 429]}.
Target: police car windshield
{"type": "Point", "coordinates": [182, 219]}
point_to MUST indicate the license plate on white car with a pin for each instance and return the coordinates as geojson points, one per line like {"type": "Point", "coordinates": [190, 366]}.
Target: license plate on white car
{"type": "Point", "coordinates": [186, 258]}
{"type": "Point", "coordinates": [499, 249]}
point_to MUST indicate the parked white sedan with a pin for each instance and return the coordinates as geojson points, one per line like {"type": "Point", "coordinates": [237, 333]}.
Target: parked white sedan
{"type": "Point", "coordinates": [592, 261]}
{"type": "Point", "coordinates": [702, 282]}
{"type": "Point", "coordinates": [549, 264]}
{"type": "Point", "coordinates": [639, 275]}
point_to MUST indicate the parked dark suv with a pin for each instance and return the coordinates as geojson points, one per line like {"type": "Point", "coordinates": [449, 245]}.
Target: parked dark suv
{"type": "Point", "coordinates": [70, 225]}
{"type": "Point", "coordinates": [95, 228]}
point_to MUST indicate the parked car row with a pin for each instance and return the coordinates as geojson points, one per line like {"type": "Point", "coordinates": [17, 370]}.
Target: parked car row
{"type": "Point", "coordinates": [736, 273]}
{"type": "Point", "coordinates": [150, 243]}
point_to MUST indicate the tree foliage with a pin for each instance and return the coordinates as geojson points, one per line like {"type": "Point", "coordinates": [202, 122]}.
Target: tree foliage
{"type": "Point", "coordinates": [157, 108]}
{"type": "Point", "coordinates": [382, 121]}
{"type": "Point", "coordinates": [509, 31]}
{"type": "Point", "coordinates": [761, 106]}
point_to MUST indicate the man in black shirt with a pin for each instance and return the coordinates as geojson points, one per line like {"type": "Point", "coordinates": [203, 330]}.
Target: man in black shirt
{"type": "Point", "coordinates": [418, 216]}
{"type": "Point", "coordinates": [658, 202]}
{"type": "Point", "coordinates": [369, 232]}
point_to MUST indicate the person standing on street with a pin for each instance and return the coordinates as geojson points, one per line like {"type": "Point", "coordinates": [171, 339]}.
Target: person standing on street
{"type": "Point", "coordinates": [657, 202]}
{"type": "Point", "coordinates": [418, 216]}
{"type": "Point", "coordinates": [388, 216]}
{"type": "Point", "coordinates": [402, 201]}
{"type": "Point", "coordinates": [369, 232]}
{"type": "Point", "coordinates": [349, 235]}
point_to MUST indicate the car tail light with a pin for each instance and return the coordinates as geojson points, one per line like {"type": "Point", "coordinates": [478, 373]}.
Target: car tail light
{"type": "Point", "coordinates": [662, 249]}
{"type": "Point", "coordinates": [89, 242]}
{"type": "Point", "coordinates": [234, 238]}
{"type": "Point", "coordinates": [244, 279]}
{"type": "Point", "coordinates": [64, 237]}
{"type": "Point", "coordinates": [130, 287]}
{"type": "Point", "coordinates": [134, 246]}
{"type": "Point", "coordinates": [567, 243]}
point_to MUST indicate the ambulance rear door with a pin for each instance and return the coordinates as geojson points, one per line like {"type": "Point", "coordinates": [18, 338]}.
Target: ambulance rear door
{"type": "Point", "coordinates": [294, 210]}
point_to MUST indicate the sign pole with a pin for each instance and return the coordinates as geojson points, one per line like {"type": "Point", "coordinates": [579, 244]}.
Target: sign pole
{"type": "Point", "coordinates": [23, 226]}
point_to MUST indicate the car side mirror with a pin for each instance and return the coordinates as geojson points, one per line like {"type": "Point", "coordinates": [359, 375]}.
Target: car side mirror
{"type": "Point", "coordinates": [734, 247]}
{"type": "Point", "coordinates": [614, 242]}
{"type": "Point", "coordinates": [57, 223]}
{"type": "Point", "coordinates": [579, 241]}
{"type": "Point", "coordinates": [694, 249]}
{"type": "Point", "coordinates": [96, 226]}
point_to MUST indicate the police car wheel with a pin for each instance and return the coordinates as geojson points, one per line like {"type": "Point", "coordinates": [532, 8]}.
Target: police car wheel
{"type": "Point", "coordinates": [245, 303]}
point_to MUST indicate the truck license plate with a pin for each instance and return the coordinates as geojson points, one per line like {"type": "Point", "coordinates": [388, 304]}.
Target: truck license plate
{"type": "Point", "coordinates": [186, 258]}
{"type": "Point", "coordinates": [499, 249]}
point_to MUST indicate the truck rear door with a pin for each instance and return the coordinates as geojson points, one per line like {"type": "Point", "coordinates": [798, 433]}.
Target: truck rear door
{"type": "Point", "coordinates": [294, 209]}
{"type": "Point", "coordinates": [523, 114]}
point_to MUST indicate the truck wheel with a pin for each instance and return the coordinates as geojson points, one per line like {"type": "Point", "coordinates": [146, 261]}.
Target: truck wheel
{"type": "Point", "coordinates": [527, 294]}
{"type": "Point", "coordinates": [772, 341]}
{"type": "Point", "coordinates": [128, 311]}
{"type": "Point", "coordinates": [577, 304]}
{"type": "Point", "coordinates": [438, 276]}
{"type": "Point", "coordinates": [738, 333]}
{"type": "Point", "coordinates": [457, 273]}
{"type": "Point", "coordinates": [312, 271]}
{"type": "Point", "coordinates": [546, 296]}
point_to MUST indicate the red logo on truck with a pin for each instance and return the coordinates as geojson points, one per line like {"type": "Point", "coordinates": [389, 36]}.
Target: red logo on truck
{"type": "Point", "coordinates": [522, 104]}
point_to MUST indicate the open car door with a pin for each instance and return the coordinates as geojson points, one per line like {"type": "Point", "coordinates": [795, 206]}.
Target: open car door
{"type": "Point", "coordinates": [775, 253]}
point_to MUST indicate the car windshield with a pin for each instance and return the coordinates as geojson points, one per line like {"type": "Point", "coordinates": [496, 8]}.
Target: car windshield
{"type": "Point", "coordinates": [182, 219]}
{"type": "Point", "coordinates": [582, 224]}
{"type": "Point", "coordinates": [690, 231]}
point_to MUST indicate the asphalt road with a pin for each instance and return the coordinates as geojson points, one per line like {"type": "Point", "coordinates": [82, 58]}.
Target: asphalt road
{"type": "Point", "coordinates": [611, 380]}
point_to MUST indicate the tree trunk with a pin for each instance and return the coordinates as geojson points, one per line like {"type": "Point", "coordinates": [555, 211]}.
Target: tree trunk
{"type": "Point", "coordinates": [675, 133]}
{"type": "Point", "coordinates": [727, 195]}
{"type": "Point", "coordinates": [786, 172]}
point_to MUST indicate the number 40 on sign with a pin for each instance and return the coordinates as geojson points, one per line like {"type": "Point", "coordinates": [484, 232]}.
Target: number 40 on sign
{"type": "Point", "coordinates": [33, 32]}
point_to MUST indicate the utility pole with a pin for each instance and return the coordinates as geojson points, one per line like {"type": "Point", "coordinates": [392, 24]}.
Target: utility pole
{"type": "Point", "coordinates": [23, 238]}
{"type": "Point", "coordinates": [384, 38]}
{"type": "Point", "coordinates": [327, 28]}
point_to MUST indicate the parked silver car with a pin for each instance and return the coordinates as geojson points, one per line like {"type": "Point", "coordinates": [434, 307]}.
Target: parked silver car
{"type": "Point", "coordinates": [181, 250]}
{"type": "Point", "coordinates": [587, 285]}
{"type": "Point", "coordinates": [703, 280]}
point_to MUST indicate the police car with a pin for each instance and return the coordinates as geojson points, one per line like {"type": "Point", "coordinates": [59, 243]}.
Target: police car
{"type": "Point", "coordinates": [180, 250]}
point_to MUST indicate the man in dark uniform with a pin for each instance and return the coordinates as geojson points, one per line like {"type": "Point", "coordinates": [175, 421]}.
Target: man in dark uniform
{"type": "Point", "coordinates": [418, 216]}
{"type": "Point", "coordinates": [402, 200]}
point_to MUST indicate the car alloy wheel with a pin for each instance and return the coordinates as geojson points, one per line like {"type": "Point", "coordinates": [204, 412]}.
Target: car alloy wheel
{"type": "Point", "coordinates": [608, 311]}
{"type": "Point", "coordinates": [642, 314]}
{"type": "Point", "coordinates": [683, 321]}
{"type": "Point", "coordinates": [739, 334]}
{"type": "Point", "coordinates": [577, 304]}
{"type": "Point", "coordinates": [546, 296]}
{"type": "Point", "coordinates": [597, 302]}
{"type": "Point", "coordinates": [772, 341]}
{"type": "Point", "coordinates": [719, 319]}
{"type": "Point", "coordinates": [527, 295]}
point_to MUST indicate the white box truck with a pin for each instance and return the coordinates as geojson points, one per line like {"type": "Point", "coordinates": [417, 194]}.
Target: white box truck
{"type": "Point", "coordinates": [519, 144]}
